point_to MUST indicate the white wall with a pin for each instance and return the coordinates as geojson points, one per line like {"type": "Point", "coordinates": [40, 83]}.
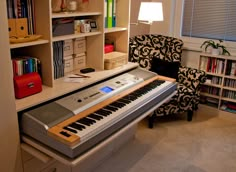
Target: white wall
{"type": "Point", "coordinates": [140, 28]}
{"type": "Point", "coordinates": [164, 27]}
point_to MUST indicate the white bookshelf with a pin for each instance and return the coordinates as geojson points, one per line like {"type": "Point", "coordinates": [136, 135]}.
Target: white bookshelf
{"type": "Point", "coordinates": [221, 83]}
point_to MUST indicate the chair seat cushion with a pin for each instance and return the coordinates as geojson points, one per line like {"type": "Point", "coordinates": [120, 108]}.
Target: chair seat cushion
{"type": "Point", "coordinates": [180, 102]}
{"type": "Point", "coordinates": [165, 68]}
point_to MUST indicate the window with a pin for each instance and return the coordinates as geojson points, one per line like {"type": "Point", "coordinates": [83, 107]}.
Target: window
{"type": "Point", "coordinates": [213, 19]}
{"type": "Point", "coordinates": [199, 20]}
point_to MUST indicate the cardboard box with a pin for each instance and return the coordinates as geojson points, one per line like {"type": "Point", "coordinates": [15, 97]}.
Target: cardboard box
{"type": "Point", "coordinates": [79, 45]}
{"type": "Point", "coordinates": [68, 47]}
{"type": "Point", "coordinates": [68, 64]}
{"type": "Point", "coordinates": [21, 27]}
{"type": "Point", "coordinates": [114, 59]}
{"type": "Point", "coordinates": [18, 27]}
{"type": "Point", "coordinates": [12, 27]}
{"type": "Point", "coordinates": [79, 61]}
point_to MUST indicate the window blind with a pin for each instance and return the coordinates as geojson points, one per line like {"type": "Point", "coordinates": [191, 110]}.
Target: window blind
{"type": "Point", "coordinates": [211, 19]}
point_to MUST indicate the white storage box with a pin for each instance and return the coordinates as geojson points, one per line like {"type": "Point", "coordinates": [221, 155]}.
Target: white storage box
{"type": "Point", "coordinates": [79, 61]}
{"type": "Point", "coordinates": [79, 45]}
{"type": "Point", "coordinates": [68, 47]}
{"type": "Point", "coordinates": [114, 59]}
{"type": "Point", "coordinates": [68, 64]}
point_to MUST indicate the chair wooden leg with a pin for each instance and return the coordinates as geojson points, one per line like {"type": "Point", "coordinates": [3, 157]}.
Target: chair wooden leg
{"type": "Point", "coordinates": [151, 121]}
{"type": "Point", "coordinates": [190, 115]}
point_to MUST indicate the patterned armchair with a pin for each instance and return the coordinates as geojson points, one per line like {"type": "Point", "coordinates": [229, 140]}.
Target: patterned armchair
{"type": "Point", "coordinates": [142, 50]}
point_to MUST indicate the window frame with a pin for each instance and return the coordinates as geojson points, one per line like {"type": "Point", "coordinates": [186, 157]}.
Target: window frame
{"type": "Point", "coordinates": [192, 43]}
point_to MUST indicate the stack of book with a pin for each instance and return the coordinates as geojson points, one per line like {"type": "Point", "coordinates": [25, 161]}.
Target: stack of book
{"type": "Point", "coordinates": [58, 61]}
{"type": "Point", "coordinates": [230, 107]}
{"type": "Point", "coordinates": [212, 65]}
{"type": "Point", "coordinates": [24, 65]}
{"type": "Point", "coordinates": [231, 68]}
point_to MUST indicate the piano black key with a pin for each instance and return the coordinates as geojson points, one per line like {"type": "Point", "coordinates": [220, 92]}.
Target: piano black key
{"type": "Point", "coordinates": [77, 126]}
{"type": "Point", "coordinates": [130, 97]}
{"type": "Point", "coordinates": [124, 101]}
{"type": "Point", "coordinates": [65, 134]}
{"type": "Point", "coordinates": [118, 104]}
{"type": "Point", "coordinates": [136, 94]}
{"type": "Point", "coordinates": [94, 116]}
{"type": "Point", "coordinates": [103, 112]}
{"type": "Point", "coordinates": [110, 108]}
{"type": "Point", "coordinates": [70, 129]}
{"type": "Point", "coordinates": [89, 120]}
{"type": "Point", "coordinates": [86, 121]}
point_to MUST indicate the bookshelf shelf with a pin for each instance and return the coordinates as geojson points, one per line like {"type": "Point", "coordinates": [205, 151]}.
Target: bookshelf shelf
{"type": "Point", "coordinates": [74, 14]}
{"type": "Point", "coordinates": [225, 82]}
{"type": "Point", "coordinates": [213, 85]}
{"type": "Point", "coordinates": [27, 44]}
{"type": "Point", "coordinates": [214, 74]}
{"type": "Point", "coordinates": [228, 100]}
{"type": "Point", "coordinates": [230, 77]}
{"type": "Point", "coordinates": [115, 29]}
{"type": "Point", "coordinates": [229, 88]}
{"type": "Point", "coordinates": [210, 95]}
{"type": "Point", "coordinates": [73, 36]}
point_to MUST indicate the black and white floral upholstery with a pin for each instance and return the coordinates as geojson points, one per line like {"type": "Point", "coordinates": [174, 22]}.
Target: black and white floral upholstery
{"type": "Point", "coordinates": [143, 48]}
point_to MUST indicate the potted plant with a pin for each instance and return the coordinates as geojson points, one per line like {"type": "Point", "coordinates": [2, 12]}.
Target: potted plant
{"type": "Point", "coordinates": [215, 47]}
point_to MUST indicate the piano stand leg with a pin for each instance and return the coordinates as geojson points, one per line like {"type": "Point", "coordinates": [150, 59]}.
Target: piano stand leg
{"type": "Point", "coordinates": [151, 120]}
{"type": "Point", "coordinates": [190, 115]}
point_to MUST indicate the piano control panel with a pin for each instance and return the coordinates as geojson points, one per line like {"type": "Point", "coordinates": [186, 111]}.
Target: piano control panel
{"type": "Point", "coordinates": [87, 98]}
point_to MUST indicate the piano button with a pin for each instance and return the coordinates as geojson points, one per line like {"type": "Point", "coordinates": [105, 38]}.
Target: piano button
{"type": "Point", "coordinates": [77, 126]}
{"type": "Point", "coordinates": [94, 116]}
{"type": "Point", "coordinates": [110, 108]}
{"type": "Point", "coordinates": [70, 129]}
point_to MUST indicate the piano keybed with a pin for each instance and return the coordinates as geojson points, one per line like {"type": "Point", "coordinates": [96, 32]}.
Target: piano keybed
{"type": "Point", "coordinates": [88, 123]}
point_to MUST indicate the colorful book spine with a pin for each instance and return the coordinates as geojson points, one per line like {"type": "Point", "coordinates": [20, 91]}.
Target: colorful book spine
{"type": "Point", "coordinates": [109, 13]}
{"type": "Point", "coordinates": [23, 65]}
{"type": "Point", "coordinates": [113, 13]}
{"type": "Point", "coordinates": [105, 13]}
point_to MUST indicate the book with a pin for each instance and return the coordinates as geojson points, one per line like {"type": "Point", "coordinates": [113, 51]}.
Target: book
{"type": "Point", "coordinates": [105, 13]}
{"type": "Point", "coordinates": [113, 13]}
{"type": "Point", "coordinates": [109, 13]}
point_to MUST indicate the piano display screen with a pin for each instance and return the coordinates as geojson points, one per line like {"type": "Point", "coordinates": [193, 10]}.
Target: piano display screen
{"type": "Point", "coordinates": [106, 89]}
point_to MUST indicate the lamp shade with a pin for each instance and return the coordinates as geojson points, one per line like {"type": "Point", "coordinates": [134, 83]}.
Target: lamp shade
{"type": "Point", "coordinates": [150, 11]}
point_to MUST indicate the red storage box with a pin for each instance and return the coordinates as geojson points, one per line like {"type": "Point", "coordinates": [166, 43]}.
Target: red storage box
{"type": "Point", "coordinates": [27, 84]}
{"type": "Point", "coordinates": [108, 48]}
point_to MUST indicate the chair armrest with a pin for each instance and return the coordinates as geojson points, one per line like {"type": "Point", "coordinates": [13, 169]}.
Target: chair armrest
{"type": "Point", "coordinates": [191, 77]}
